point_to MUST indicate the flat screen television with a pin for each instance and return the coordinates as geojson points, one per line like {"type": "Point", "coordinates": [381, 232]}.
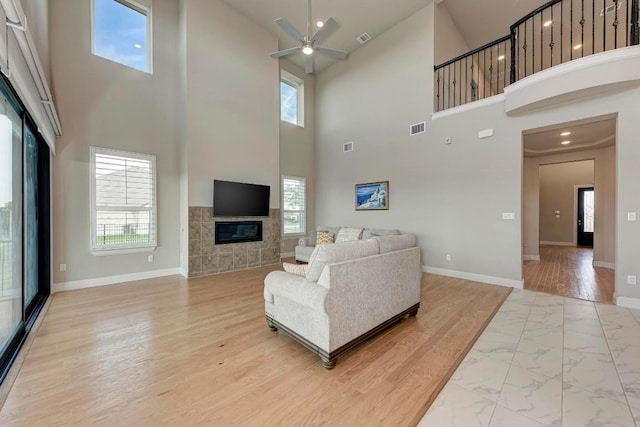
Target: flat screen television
{"type": "Point", "coordinates": [240, 199]}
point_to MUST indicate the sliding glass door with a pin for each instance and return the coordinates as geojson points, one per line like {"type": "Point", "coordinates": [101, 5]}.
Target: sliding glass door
{"type": "Point", "coordinates": [10, 221]}
{"type": "Point", "coordinates": [24, 224]}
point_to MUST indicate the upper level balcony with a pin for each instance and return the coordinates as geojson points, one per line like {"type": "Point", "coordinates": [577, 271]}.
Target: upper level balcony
{"type": "Point", "coordinates": [555, 33]}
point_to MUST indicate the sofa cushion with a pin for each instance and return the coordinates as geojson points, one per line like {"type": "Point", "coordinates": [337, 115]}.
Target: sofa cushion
{"type": "Point", "coordinates": [297, 269]}
{"type": "Point", "coordinates": [324, 237]}
{"type": "Point", "coordinates": [348, 234]}
{"type": "Point", "coordinates": [373, 232]}
{"type": "Point", "coordinates": [329, 254]}
{"type": "Point", "coordinates": [303, 253]}
{"type": "Point", "coordinates": [395, 243]}
{"type": "Point", "coordinates": [312, 236]}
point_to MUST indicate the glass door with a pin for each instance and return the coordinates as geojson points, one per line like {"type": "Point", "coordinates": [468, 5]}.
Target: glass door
{"type": "Point", "coordinates": [10, 221]}
{"type": "Point", "coordinates": [30, 215]}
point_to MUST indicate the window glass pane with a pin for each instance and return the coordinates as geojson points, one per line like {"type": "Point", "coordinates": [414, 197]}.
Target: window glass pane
{"type": "Point", "coordinates": [124, 200]}
{"type": "Point", "coordinates": [588, 211]}
{"type": "Point", "coordinates": [293, 201]}
{"type": "Point", "coordinates": [30, 215]}
{"type": "Point", "coordinates": [288, 102]}
{"type": "Point", "coordinates": [120, 34]}
{"type": "Point", "coordinates": [10, 221]}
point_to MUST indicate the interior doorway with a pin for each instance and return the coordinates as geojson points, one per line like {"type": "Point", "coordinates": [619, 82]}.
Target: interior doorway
{"type": "Point", "coordinates": [569, 209]}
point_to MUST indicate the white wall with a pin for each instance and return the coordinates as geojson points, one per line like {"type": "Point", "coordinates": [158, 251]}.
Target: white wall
{"type": "Point", "coordinates": [297, 148]}
{"type": "Point", "coordinates": [604, 180]}
{"type": "Point", "coordinates": [109, 105]}
{"type": "Point", "coordinates": [448, 42]}
{"type": "Point", "coordinates": [232, 101]}
{"type": "Point", "coordinates": [558, 183]}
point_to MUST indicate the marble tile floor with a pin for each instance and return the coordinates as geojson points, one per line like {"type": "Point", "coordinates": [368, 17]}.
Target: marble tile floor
{"type": "Point", "coordinates": [547, 360]}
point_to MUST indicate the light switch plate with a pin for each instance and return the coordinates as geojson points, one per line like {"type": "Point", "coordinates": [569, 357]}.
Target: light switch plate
{"type": "Point", "coordinates": [631, 280]}
{"type": "Point", "coordinates": [508, 215]}
{"type": "Point", "coordinates": [631, 216]}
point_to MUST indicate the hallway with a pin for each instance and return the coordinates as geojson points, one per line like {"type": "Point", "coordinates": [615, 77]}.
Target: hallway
{"type": "Point", "coordinates": [568, 271]}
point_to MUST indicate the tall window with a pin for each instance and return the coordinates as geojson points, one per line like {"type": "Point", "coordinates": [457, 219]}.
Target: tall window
{"type": "Point", "coordinates": [122, 32]}
{"type": "Point", "coordinates": [291, 99]}
{"type": "Point", "coordinates": [293, 202]}
{"type": "Point", "coordinates": [123, 199]}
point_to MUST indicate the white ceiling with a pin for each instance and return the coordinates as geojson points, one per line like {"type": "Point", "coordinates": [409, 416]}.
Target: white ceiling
{"type": "Point", "coordinates": [584, 136]}
{"type": "Point", "coordinates": [354, 18]}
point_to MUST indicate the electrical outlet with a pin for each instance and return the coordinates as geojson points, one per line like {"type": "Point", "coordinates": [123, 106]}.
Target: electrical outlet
{"type": "Point", "coordinates": [448, 257]}
{"type": "Point", "coordinates": [150, 258]}
{"type": "Point", "coordinates": [63, 267]}
{"type": "Point", "coordinates": [631, 280]}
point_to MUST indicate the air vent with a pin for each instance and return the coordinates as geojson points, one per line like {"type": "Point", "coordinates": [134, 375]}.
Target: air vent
{"type": "Point", "coordinates": [347, 146]}
{"type": "Point", "coordinates": [610, 9]}
{"type": "Point", "coordinates": [418, 128]}
{"type": "Point", "coordinates": [363, 38]}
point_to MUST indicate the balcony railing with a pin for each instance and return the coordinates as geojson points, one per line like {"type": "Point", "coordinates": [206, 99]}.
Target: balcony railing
{"type": "Point", "coordinates": [557, 32]}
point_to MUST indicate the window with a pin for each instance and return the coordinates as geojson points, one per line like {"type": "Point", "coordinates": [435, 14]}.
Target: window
{"type": "Point", "coordinates": [293, 202]}
{"type": "Point", "coordinates": [291, 99]}
{"type": "Point", "coordinates": [123, 200]}
{"type": "Point", "coordinates": [122, 32]}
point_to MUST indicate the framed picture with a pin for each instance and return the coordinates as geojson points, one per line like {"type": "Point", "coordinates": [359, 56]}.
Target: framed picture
{"type": "Point", "coordinates": [372, 196]}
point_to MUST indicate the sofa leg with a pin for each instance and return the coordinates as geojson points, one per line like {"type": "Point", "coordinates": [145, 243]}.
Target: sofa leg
{"type": "Point", "coordinates": [328, 364]}
{"type": "Point", "coordinates": [271, 326]}
{"type": "Point", "coordinates": [414, 313]}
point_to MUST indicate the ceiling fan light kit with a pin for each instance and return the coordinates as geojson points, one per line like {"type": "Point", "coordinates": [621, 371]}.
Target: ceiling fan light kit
{"type": "Point", "coordinates": [308, 43]}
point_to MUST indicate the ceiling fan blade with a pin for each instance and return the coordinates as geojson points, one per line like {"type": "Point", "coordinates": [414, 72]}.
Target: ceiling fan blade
{"type": "Point", "coordinates": [285, 52]}
{"type": "Point", "coordinates": [324, 31]}
{"type": "Point", "coordinates": [308, 64]}
{"type": "Point", "coordinates": [288, 28]}
{"type": "Point", "coordinates": [340, 54]}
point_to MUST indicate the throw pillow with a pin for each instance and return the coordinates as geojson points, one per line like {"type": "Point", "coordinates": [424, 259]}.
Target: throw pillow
{"type": "Point", "coordinates": [348, 234]}
{"type": "Point", "coordinates": [297, 269]}
{"type": "Point", "coordinates": [324, 237]}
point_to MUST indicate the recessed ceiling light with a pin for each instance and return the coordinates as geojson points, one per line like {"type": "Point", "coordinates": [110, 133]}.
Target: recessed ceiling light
{"type": "Point", "coordinates": [576, 47]}
{"type": "Point", "coordinates": [320, 23]}
{"type": "Point", "coordinates": [565, 142]}
{"type": "Point", "coordinates": [500, 58]}
{"type": "Point", "coordinates": [137, 46]}
{"type": "Point", "coordinates": [565, 133]}
{"type": "Point", "coordinates": [548, 23]}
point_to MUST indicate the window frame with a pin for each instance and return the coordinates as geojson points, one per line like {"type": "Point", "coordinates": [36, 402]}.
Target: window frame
{"type": "Point", "coordinates": [137, 7]}
{"type": "Point", "coordinates": [153, 229]}
{"type": "Point", "coordinates": [297, 83]}
{"type": "Point", "coordinates": [284, 211]}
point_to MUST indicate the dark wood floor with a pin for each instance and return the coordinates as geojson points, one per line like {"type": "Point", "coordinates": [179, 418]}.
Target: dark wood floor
{"type": "Point", "coordinates": [569, 271]}
{"type": "Point", "coordinates": [176, 352]}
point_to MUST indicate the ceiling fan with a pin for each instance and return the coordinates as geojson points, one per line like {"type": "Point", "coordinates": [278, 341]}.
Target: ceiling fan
{"type": "Point", "coordinates": [308, 43]}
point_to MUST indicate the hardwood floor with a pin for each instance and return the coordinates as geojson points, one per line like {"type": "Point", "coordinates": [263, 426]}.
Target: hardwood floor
{"type": "Point", "coordinates": [568, 271]}
{"type": "Point", "coordinates": [177, 352]}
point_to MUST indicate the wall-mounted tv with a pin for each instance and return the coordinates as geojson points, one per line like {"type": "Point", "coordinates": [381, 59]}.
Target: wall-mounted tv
{"type": "Point", "coordinates": [240, 199]}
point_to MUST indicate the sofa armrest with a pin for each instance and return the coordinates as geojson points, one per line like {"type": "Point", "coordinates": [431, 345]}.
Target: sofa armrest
{"type": "Point", "coordinates": [303, 241]}
{"type": "Point", "coordinates": [280, 284]}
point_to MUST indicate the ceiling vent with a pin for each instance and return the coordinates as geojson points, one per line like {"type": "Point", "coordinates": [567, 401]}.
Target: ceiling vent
{"type": "Point", "coordinates": [610, 9]}
{"type": "Point", "coordinates": [418, 128]}
{"type": "Point", "coordinates": [347, 146]}
{"type": "Point", "coordinates": [363, 38]}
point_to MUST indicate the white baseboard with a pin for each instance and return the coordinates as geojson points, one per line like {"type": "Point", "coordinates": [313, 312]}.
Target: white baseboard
{"type": "Point", "coordinates": [609, 265]}
{"type": "Point", "coordinates": [557, 243]}
{"type": "Point", "coordinates": [111, 280]}
{"type": "Point", "coordinates": [184, 272]}
{"type": "Point", "coordinates": [287, 255]}
{"type": "Point", "coordinates": [531, 257]}
{"type": "Point", "coordinates": [500, 281]}
{"type": "Point", "coordinates": [627, 302]}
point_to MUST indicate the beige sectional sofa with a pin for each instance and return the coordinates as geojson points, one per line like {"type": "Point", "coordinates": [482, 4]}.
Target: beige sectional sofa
{"type": "Point", "coordinates": [350, 291]}
{"type": "Point", "coordinates": [306, 245]}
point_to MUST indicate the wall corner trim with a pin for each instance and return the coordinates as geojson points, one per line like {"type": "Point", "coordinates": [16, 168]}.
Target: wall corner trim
{"type": "Point", "coordinates": [627, 302]}
{"type": "Point", "coordinates": [112, 280]}
{"type": "Point", "coordinates": [500, 281]}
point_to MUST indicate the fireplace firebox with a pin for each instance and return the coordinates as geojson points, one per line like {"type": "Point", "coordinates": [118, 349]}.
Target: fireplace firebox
{"type": "Point", "coordinates": [238, 232]}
